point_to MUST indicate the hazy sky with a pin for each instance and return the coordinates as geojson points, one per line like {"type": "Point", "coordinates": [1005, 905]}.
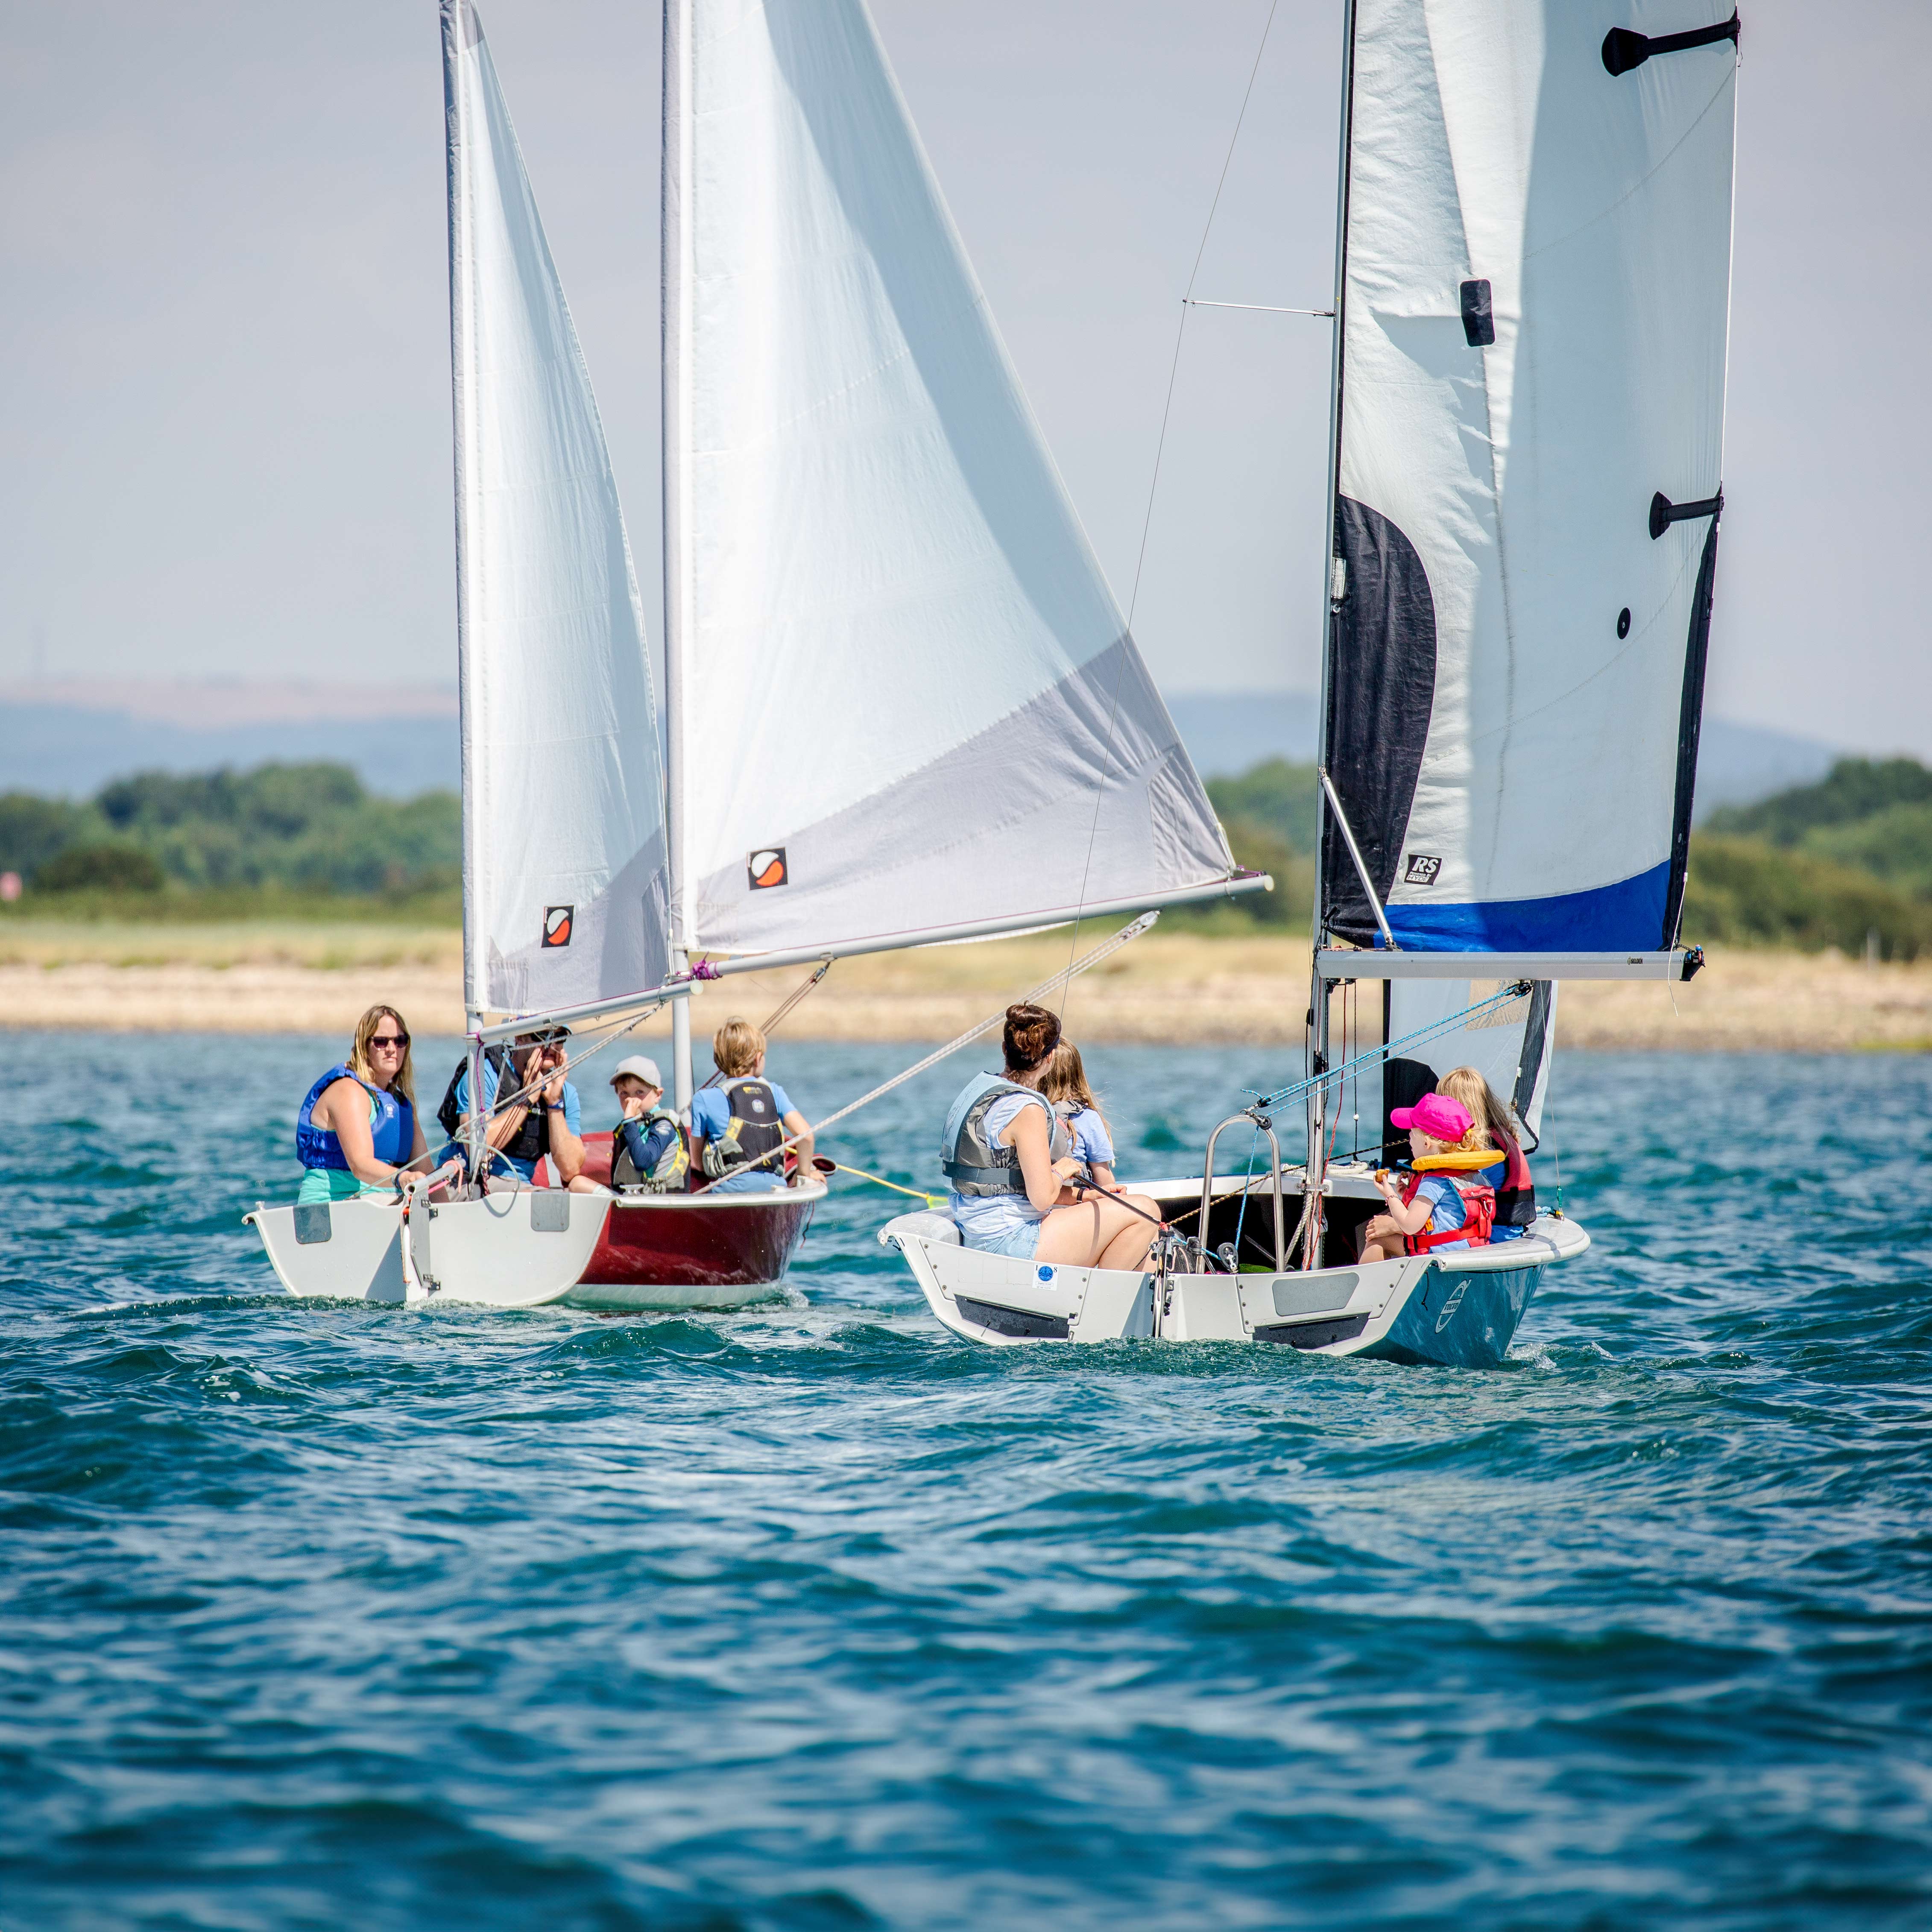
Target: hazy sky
{"type": "Point", "coordinates": [224, 427]}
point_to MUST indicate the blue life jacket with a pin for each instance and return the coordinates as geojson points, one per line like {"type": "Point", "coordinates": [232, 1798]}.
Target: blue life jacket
{"type": "Point", "coordinates": [393, 1131]}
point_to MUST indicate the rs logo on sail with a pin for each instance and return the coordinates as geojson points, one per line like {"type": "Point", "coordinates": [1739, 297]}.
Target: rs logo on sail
{"type": "Point", "coordinates": [1422, 870]}
{"type": "Point", "coordinates": [767, 868]}
{"type": "Point", "coordinates": [557, 920]}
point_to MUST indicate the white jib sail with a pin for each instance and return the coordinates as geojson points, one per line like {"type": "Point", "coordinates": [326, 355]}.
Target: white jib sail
{"type": "Point", "coordinates": [906, 701]}
{"type": "Point", "coordinates": [564, 888]}
{"type": "Point", "coordinates": [1535, 303]}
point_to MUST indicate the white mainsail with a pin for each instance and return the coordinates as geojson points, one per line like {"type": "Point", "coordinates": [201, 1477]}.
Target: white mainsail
{"type": "Point", "coordinates": [564, 896]}
{"type": "Point", "coordinates": [903, 702]}
{"type": "Point", "coordinates": [1535, 302]}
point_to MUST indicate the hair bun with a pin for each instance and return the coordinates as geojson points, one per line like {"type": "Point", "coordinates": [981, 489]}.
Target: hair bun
{"type": "Point", "coordinates": [1032, 1033]}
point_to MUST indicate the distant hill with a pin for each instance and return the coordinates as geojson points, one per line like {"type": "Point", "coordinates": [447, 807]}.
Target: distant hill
{"type": "Point", "coordinates": [67, 740]}
{"type": "Point", "coordinates": [1228, 733]}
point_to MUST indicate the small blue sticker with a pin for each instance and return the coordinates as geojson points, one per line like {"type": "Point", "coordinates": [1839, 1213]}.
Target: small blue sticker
{"type": "Point", "coordinates": [1045, 1274]}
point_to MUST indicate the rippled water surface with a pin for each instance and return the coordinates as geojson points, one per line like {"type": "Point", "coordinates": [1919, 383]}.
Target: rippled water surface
{"type": "Point", "coordinates": [813, 1616]}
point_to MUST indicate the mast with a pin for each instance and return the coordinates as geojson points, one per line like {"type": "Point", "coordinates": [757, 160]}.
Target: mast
{"type": "Point", "coordinates": [1317, 1002]}
{"type": "Point", "coordinates": [674, 299]}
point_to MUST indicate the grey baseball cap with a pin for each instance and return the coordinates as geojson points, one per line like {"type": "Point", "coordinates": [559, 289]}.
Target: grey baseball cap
{"type": "Point", "coordinates": [642, 1068]}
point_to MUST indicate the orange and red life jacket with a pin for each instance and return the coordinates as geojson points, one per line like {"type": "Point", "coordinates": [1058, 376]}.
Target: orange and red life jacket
{"type": "Point", "coordinates": [1479, 1215]}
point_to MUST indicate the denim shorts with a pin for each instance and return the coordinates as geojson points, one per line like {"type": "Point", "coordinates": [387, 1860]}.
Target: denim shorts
{"type": "Point", "coordinates": [1022, 1243]}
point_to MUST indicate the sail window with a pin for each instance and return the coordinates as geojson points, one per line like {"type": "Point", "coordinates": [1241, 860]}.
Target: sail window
{"type": "Point", "coordinates": [1479, 324]}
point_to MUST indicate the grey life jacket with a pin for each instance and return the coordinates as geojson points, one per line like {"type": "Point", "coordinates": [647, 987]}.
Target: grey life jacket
{"type": "Point", "coordinates": [667, 1176]}
{"type": "Point", "coordinates": [975, 1164]}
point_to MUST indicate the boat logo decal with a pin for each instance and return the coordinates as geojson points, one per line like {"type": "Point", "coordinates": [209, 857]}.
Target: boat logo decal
{"type": "Point", "coordinates": [766, 867]}
{"type": "Point", "coordinates": [1045, 1272]}
{"type": "Point", "coordinates": [557, 922]}
{"type": "Point", "coordinates": [1450, 1307]}
{"type": "Point", "coordinates": [1422, 869]}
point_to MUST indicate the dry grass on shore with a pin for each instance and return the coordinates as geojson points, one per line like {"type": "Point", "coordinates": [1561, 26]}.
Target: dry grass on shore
{"type": "Point", "coordinates": [1177, 987]}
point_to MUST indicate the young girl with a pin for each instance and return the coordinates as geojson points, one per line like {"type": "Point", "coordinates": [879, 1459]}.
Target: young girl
{"type": "Point", "coordinates": [1516, 1194]}
{"type": "Point", "coordinates": [1436, 1204]}
{"type": "Point", "coordinates": [1065, 1085]}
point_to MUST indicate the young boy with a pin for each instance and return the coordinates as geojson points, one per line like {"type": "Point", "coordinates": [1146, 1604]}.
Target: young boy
{"type": "Point", "coordinates": [648, 1150]}
{"type": "Point", "coordinates": [1436, 1205]}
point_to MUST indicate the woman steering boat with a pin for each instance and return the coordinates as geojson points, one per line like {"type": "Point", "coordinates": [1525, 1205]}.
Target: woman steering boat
{"type": "Point", "coordinates": [357, 1132]}
{"type": "Point", "coordinates": [1009, 1158]}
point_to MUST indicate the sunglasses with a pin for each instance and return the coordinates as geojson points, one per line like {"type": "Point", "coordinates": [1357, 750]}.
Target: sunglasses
{"type": "Point", "coordinates": [397, 1040]}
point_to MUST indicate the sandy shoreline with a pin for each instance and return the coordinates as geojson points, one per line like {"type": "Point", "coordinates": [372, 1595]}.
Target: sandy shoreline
{"type": "Point", "coordinates": [1177, 988]}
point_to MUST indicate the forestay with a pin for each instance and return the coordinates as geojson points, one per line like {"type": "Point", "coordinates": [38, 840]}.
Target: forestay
{"type": "Point", "coordinates": [903, 701]}
{"type": "Point", "coordinates": [1535, 301]}
{"type": "Point", "coordinates": [564, 896]}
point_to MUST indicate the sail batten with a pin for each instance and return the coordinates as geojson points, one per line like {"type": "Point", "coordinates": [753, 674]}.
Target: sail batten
{"type": "Point", "coordinates": [565, 889]}
{"type": "Point", "coordinates": [1534, 312]}
{"type": "Point", "coordinates": [906, 696]}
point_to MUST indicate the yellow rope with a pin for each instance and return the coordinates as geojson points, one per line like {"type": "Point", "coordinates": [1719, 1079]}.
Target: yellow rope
{"type": "Point", "coordinates": [917, 1193]}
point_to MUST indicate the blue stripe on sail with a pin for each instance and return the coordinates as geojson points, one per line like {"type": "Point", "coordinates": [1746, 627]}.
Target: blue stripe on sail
{"type": "Point", "coordinates": [1627, 917]}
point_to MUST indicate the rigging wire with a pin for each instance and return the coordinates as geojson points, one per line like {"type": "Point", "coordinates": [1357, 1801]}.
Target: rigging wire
{"type": "Point", "coordinates": [1153, 485]}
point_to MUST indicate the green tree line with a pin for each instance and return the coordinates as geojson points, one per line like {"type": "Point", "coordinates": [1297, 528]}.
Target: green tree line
{"type": "Point", "coordinates": [312, 829]}
{"type": "Point", "coordinates": [1821, 865]}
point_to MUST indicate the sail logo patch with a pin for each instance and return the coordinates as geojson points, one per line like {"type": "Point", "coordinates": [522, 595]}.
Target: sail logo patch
{"type": "Point", "coordinates": [766, 867]}
{"type": "Point", "coordinates": [1422, 870]}
{"type": "Point", "coordinates": [557, 922]}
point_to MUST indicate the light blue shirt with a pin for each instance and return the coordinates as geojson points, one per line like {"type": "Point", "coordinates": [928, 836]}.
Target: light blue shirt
{"type": "Point", "coordinates": [711, 1112]}
{"type": "Point", "coordinates": [1447, 1209]}
{"type": "Point", "coordinates": [1091, 1140]}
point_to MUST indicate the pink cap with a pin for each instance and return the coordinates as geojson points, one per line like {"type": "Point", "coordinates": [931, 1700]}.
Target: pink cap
{"type": "Point", "coordinates": [1438, 1116]}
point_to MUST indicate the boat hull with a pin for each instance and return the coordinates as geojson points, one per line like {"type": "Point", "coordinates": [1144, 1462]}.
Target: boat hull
{"type": "Point", "coordinates": [526, 1247]}
{"type": "Point", "coordinates": [1455, 1309]}
{"type": "Point", "coordinates": [694, 1251]}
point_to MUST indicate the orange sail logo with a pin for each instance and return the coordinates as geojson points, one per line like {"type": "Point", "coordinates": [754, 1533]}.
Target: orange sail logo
{"type": "Point", "coordinates": [766, 867]}
{"type": "Point", "coordinates": [557, 922]}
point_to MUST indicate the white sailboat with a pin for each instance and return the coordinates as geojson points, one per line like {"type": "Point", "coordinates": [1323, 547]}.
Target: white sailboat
{"type": "Point", "coordinates": [902, 707]}
{"type": "Point", "coordinates": [1532, 305]}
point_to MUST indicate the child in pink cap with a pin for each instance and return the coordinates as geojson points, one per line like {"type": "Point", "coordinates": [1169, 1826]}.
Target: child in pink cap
{"type": "Point", "coordinates": [1431, 1206]}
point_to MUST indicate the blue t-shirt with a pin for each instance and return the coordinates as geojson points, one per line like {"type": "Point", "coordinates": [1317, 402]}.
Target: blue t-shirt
{"type": "Point", "coordinates": [1090, 1142]}
{"type": "Point", "coordinates": [711, 1112]}
{"type": "Point", "coordinates": [573, 1115]}
{"type": "Point", "coordinates": [1447, 1209]}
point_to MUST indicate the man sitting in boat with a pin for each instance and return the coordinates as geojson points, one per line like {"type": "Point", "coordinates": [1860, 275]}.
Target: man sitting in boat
{"type": "Point", "coordinates": [740, 1125]}
{"type": "Point", "coordinates": [648, 1153]}
{"type": "Point", "coordinates": [1509, 1174]}
{"type": "Point", "coordinates": [1430, 1211]}
{"type": "Point", "coordinates": [1008, 1155]}
{"type": "Point", "coordinates": [547, 1120]}
{"type": "Point", "coordinates": [357, 1132]}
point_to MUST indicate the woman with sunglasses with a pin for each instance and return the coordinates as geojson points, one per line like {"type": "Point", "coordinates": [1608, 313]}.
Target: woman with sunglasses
{"type": "Point", "coordinates": [358, 1132]}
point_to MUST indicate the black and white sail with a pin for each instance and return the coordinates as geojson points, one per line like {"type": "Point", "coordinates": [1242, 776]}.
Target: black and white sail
{"type": "Point", "coordinates": [1533, 305]}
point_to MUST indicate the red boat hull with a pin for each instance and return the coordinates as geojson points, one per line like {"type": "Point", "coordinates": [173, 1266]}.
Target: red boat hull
{"type": "Point", "coordinates": [687, 1250]}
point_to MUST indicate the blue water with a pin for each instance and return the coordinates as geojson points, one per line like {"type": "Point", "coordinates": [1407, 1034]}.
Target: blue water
{"type": "Point", "coordinates": [812, 1616]}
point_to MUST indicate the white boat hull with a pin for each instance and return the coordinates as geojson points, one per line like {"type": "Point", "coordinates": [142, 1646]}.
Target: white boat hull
{"type": "Point", "coordinates": [1459, 1308]}
{"type": "Point", "coordinates": [507, 1250]}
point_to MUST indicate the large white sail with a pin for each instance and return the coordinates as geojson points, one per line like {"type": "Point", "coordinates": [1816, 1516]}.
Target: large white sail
{"type": "Point", "coordinates": [564, 898]}
{"type": "Point", "coordinates": [903, 701]}
{"type": "Point", "coordinates": [1535, 304]}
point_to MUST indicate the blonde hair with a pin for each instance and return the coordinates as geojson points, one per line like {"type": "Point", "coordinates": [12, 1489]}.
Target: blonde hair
{"type": "Point", "coordinates": [735, 1047]}
{"type": "Point", "coordinates": [1065, 1079]}
{"type": "Point", "coordinates": [404, 1083]}
{"type": "Point", "coordinates": [1487, 1108]}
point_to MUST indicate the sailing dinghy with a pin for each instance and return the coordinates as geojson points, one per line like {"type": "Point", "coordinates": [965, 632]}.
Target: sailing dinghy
{"type": "Point", "coordinates": [1531, 304]}
{"type": "Point", "coordinates": [902, 707]}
